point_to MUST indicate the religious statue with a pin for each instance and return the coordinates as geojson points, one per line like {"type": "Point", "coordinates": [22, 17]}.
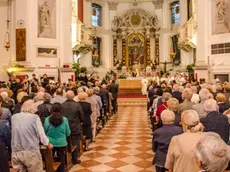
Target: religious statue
{"type": "Point", "coordinates": [144, 84]}
{"type": "Point", "coordinates": [221, 10]}
{"type": "Point", "coordinates": [96, 58]}
{"type": "Point", "coordinates": [44, 15]}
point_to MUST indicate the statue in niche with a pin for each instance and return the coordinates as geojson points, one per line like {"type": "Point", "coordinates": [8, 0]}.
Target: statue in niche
{"type": "Point", "coordinates": [221, 10]}
{"type": "Point", "coordinates": [44, 15]}
{"type": "Point", "coordinates": [47, 19]}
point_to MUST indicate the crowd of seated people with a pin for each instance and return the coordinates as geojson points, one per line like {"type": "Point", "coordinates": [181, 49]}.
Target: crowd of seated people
{"type": "Point", "coordinates": [34, 113]}
{"type": "Point", "coordinates": [191, 126]}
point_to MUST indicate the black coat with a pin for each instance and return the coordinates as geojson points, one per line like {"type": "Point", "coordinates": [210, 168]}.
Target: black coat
{"type": "Point", "coordinates": [218, 123]}
{"type": "Point", "coordinates": [73, 112]}
{"type": "Point", "coordinates": [44, 110]}
{"type": "Point", "coordinates": [161, 140]}
{"type": "Point", "coordinates": [104, 94]}
{"type": "Point", "coordinates": [86, 107]}
{"type": "Point", "coordinates": [177, 95]}
{"type": "Point", "coordinates": [223, 107]}
{"type": "Point", "coordinates": [113, 88]}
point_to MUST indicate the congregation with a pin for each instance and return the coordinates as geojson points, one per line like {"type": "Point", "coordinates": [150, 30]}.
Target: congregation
{"type": "Point", "coordinates": [77, 110]}
{"type": "Point", "coordinates": [190, 123]}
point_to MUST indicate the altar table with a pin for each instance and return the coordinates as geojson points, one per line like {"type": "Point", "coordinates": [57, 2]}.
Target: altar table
{"type": "Point", "coordinates": [130, 84]}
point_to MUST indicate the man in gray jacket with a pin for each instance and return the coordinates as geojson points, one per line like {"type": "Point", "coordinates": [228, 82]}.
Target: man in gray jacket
{"type": "Point", "coordinates": [27, 133]}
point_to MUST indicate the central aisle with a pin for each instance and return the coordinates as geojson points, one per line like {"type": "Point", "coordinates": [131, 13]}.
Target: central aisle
{"type": "Point", "coordinates": [124, 145]}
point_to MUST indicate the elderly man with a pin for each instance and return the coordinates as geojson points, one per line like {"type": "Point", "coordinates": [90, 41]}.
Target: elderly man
{"type": "Point", "coordinates": [215, 121]}
{"type": "Point", "coordinates": [73, 112]}
{"type": "Point", "coordinates": [212, 154]}
{"type": "Point", "coordinates": [199, 108]}
{"type": "Point", "coordinates": [162, 138]}
{"type": "Point", "coordinates": [104, 94]}
{"type": "Point", "coordinates": [59, 97]}
{"type": "Point", "coordinates": [44, 110]}
{"type": "Point", "coordinates": [26, 136]}
{"type": "Point", "coordinates": [96, 91]}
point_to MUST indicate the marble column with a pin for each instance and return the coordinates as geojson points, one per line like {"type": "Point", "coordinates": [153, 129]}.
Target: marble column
{"type": "Point", "coordinates": [147, 45]}
{"type": "Point", "coordinates": [114, 50]}
{"type": "Point", "coordinates": [202, 40]}
{"type": "Point", "coordinates": [157, 48]}
{"type": "Point", "coordinates": [124, 46]}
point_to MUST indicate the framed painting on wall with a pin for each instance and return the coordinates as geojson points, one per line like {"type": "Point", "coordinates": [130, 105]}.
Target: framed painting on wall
{"type": "Point", "coordinates": [50, 52]}
{"type": "Point", "coordinates": [47, 19]}
{"type": "Point", "coordinates": [20, 44]}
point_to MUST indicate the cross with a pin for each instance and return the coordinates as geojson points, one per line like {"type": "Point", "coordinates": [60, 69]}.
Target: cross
{"type": "Point", "coordinates": [165, 65]}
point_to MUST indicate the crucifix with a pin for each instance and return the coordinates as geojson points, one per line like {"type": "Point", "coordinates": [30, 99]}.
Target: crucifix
{"type": "Point", "coordinates": [165, 65]}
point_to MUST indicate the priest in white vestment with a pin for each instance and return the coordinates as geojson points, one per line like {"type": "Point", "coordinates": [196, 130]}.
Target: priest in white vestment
{"type": "Point", "coordinates": [144, 83]}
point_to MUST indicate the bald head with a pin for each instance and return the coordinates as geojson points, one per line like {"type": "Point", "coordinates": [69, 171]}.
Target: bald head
{"type": "Point", "coordinates": [103, 86]}
{"type": "Point", "coordinates": [70, 95]}
{"type": "Point", "coordinates": [210, 105]}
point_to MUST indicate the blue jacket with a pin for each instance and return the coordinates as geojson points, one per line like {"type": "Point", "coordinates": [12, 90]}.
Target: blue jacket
{"type": "Point", "coordinates": [5, 134]}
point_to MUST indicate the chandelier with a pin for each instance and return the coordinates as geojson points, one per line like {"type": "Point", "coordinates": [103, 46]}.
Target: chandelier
{"type": "Point", "coordinates": [7, 34]}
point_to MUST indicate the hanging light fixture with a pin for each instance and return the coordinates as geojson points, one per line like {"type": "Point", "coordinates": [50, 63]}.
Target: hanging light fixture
{"type": "Point", "coordinates": [7, 35]}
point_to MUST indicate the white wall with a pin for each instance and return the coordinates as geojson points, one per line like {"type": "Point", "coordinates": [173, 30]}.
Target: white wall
{"type": "Point", "coordinates": [4, 55]}
{"type": "Point", "coordinates": [27, 11]}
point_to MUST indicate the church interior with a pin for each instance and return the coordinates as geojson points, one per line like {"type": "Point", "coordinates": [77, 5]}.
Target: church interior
{"type": "Point", "coordinates": [130, 60]}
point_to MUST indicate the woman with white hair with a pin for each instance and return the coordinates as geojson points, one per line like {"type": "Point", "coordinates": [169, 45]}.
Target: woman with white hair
{"type": "Point", "coordinates": [162, 138]}
{"type": "Point", "coordinates": [187, 103]}
{"type": "Point", "coordinates": [195, 97]}
{"type": "Point", "coordinates": [180, 157]}
{"type": "Point", "coordinates": [212, 154]}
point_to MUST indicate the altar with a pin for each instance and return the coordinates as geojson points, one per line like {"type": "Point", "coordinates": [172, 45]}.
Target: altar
{"type": "Point", "coordinates": [130, 83]}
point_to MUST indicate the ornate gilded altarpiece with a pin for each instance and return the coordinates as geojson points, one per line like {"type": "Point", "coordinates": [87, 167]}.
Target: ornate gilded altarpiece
{"type": "Point", "coordinates": [134, 28]}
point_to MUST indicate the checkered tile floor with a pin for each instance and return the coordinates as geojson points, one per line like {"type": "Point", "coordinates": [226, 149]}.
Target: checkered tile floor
{"type": "Point", "coordinates": [124, 145]}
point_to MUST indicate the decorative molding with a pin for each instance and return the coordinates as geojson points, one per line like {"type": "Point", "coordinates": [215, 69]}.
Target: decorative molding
{"type": "Point", "coordinates": [67, 70]}
{"type": "Point", "coordinates": [20, 69]}
{"type": "Point", "coordinates": [158, 4]}
{"type": "Point", "coordinates": [112, 5]}
{"type": "Point", "coordinates": [135, 20]}
{"type": "Point", "coordinates": [3, 2]}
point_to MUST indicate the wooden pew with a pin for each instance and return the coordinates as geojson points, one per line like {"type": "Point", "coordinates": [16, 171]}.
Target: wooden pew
{"type": "Point", "coordinates": [69, 149]}
{"type": "Point", "coordinates": [50, 165]}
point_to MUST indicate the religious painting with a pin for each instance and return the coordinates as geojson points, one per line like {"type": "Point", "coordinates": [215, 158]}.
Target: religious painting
{"type": "Point", "coordinates": [47, 19]}
{"type": "Point", "coordinates": [136, 50]}
{"type": "Point", "coordinates": [47, 52]}
{"type": "Point", "coordinates": [96, 51]}
{"type": "Point", "coordinates": [220, 16]}
{"type": "Point", "coordinates": [20, 44]}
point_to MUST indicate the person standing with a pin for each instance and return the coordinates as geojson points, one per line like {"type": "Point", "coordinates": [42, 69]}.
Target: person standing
{"type": "Point", "coordinates": [26, 136]}
{"type": "Point", "coordinates": [73, 112]}
{"type": "Point", "coordinates": [113, 88]}
{"type": "Point", "coordinates": [57, 129]}
{"type": "Point", "coordinates": [144, 83]}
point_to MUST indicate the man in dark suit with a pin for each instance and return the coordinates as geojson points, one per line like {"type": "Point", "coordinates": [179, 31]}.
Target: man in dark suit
{"type": "Point", "coordinates": [104, 94]}
{"type": "Point", "coordinates": [74, 113]}
{"type": "Point", "coordinates": [176, 93]}
{"type": "Point", "coordinates": [162, 138]}
{"type": "Point", "coordinates": [215, 121]}
{"type": "Point", "coordinates": [113, 88]}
